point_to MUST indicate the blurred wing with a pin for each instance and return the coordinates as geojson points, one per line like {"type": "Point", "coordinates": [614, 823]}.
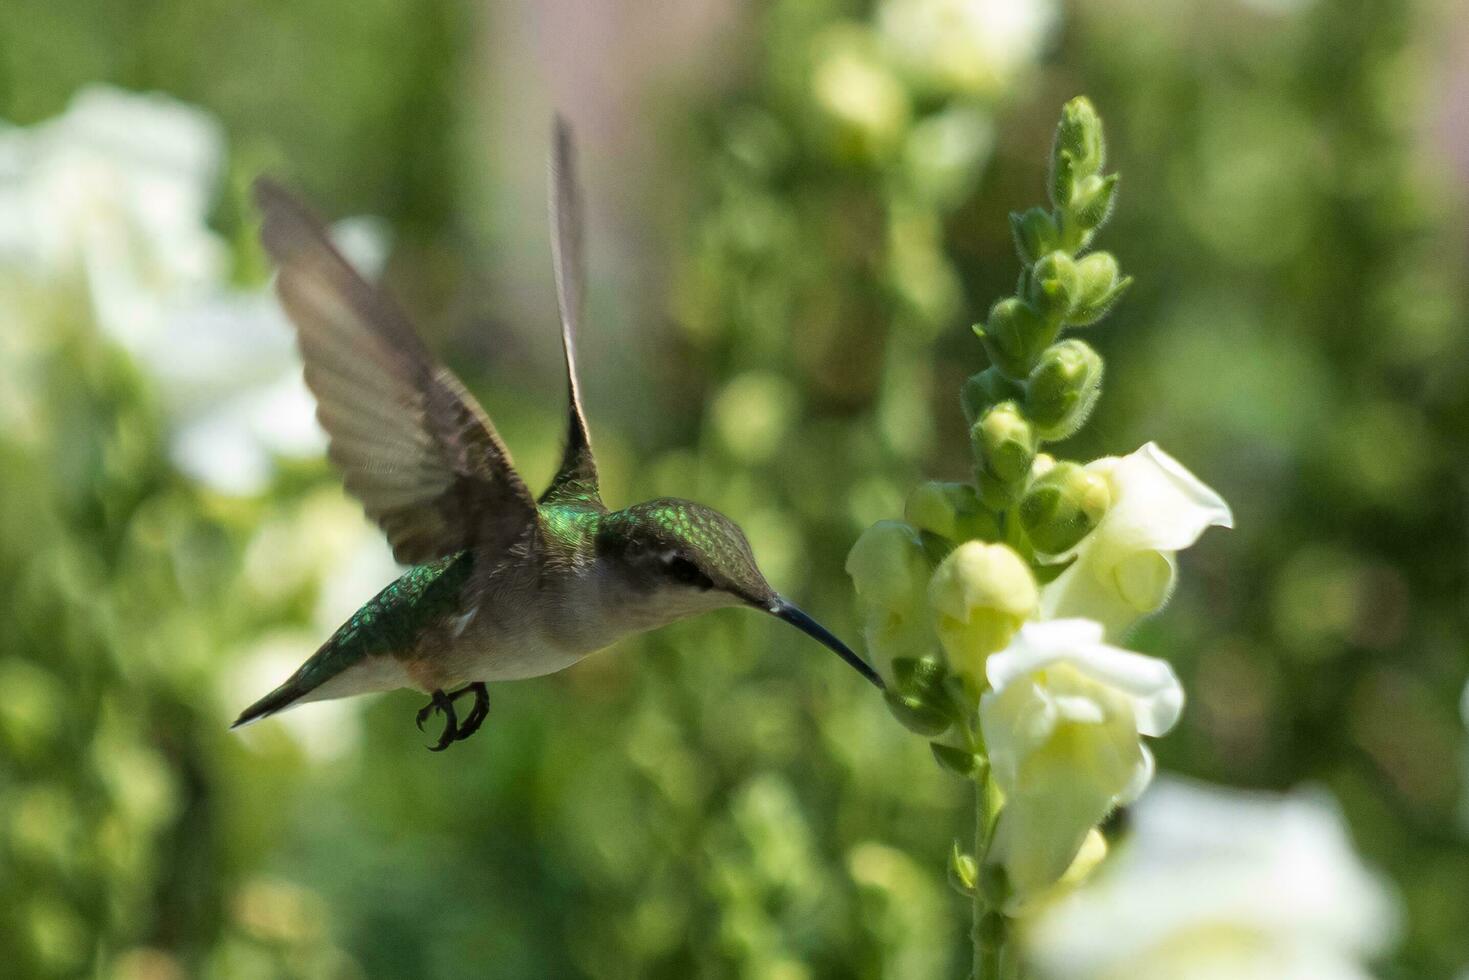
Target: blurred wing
{"type": "Point", "coordinates": [577, 477]}
{"type": "Point", "coordinates": [412, 443]}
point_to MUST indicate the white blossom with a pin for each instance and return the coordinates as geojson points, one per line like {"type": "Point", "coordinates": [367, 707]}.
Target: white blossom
{"type": "Point", "coordinates": [1062, 725]}
{"type": "Point", "coordinates": [1216, 884]}
{"type": "Point", "coordinates": [1125, 568]}
{"type": "Point", "coordinates": [968, 47]}
{"type": "Point", "coordinates": [112, 198]}
{"type": "Point", "coordinates": [113, 195]}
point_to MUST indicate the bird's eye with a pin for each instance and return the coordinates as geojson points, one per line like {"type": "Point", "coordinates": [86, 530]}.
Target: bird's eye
{"type": "Point", "coordinates": [685, 572]}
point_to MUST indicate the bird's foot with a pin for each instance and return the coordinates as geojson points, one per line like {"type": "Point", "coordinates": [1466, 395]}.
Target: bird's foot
{"type": "Point", "coordinates": [477, 714]}
{"type": "Point", "coordinates": [454, 731]}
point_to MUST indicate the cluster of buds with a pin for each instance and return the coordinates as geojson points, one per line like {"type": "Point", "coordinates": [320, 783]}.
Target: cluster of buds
{"type": "Point", "coordinates": [1038, 389]}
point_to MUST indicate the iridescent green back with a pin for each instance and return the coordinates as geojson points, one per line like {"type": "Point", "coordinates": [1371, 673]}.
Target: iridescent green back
{"type": "Point", "coordinates": [392, 621]}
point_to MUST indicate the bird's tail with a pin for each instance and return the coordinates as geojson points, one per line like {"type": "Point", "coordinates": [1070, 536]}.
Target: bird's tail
{"type": "Point", "coordinates": [295, 687]}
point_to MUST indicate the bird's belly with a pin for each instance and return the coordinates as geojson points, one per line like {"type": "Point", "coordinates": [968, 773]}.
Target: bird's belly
{"type": "Point", "coordinates": [524, 658]}
{"type": "Point", "coordinates": [504, 647]}
{"type": "Point", "coordinates": [508, 637]}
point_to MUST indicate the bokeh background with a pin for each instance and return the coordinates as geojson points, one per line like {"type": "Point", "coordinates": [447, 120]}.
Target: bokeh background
{"type": "Point", "coordinates": [798, 207]}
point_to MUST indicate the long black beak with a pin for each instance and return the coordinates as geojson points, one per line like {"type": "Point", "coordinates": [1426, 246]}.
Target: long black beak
{"type": "Point", "coordinates": [787, 611]}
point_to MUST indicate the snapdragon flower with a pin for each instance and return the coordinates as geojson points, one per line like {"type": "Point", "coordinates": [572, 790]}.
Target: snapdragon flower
{"type": "Point", "coordinates": [1214, 884]}
{"type": "Point", "coordinates": [1062, 723]}
{"type": "Point", "coordinates": [1125, 568]}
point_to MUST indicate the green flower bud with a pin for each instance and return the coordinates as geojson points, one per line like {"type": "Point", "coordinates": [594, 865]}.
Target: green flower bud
{"type": "Point", "coordinates": [1063, 389]}
{"type": "Point", "coordinates": [1004, 443]}
{"type": "Point", "coordinates": [963, 871]}
{"type": "Point", "coordinates": [1054, 286]}
{"type": "Point", "coordinates": [1079, 149]}
{"type": "Point", "coordinates": [1063, 506]}
{"type": "Point", "coordinates": [988, 387]}
{"type": "Point", "coordinates": [1101, 284]}
{"type": "Point", "coordinates": [1013, 335]}
{"type": "Point", "coordinates": [998, 495]}
{"type": "Point", "coordinates": [1092, 200]}
{"type": "Point", "coordinates": [1035, 234]}
{"type": "Point", "coordinates": [950, 510]}
{"type": "Point", "coordinates": [980, 595]}
{"type": "Point", "coordinates": [922, 677]}
{"type": "Point", "coordinates": [917, 715]}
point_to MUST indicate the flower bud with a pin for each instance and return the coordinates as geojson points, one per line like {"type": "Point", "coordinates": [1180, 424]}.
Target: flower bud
{"type": "Point", "coordinates": [988, 387]}
{"type": "Point", "coordinates": [1079, 148]}
{"type": "Point", "coordinates": [1035, 233]}
{"type": "Point", "coordinates": [917, 715]}
{"type": "Point", "coordinates": [885, 561]}
{"type": "Point", "coordinates": [1055, 286]}
{"type": "Point", "coordinates": [1013, 335]}
{"type": "Point", "coordinates": [890, 571]}
{"type": "Point", "coordinates": [963, 871]}
{"type": "Point", "coordinates": [1063, 389]}
{"type": "Point", "coordinates": [1092, 200]}
{"type": "Point", "coordinates": [922, 677]}
{"type": "Point", "coordinates": [1004, 443]}
{"type": "Point", "coordinates": [1101, 283]}
{"type": "Point", "coordinates": [1062, 507]}
{"type": "Point", "coordinates": [950, 510]}
{"type": "Point", "coordinates": [980, 595]}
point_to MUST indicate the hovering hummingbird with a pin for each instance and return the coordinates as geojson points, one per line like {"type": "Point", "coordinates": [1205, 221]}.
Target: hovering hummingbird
{"type": "Point", "coordinates": [503, 585]}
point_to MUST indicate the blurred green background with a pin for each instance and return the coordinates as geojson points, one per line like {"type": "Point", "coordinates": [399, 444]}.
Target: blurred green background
{"type": "Point", "coordinates": [798, 206]}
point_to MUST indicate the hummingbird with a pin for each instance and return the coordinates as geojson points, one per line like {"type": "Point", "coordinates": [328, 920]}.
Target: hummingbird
{"type": "Point", "coordinates": [502, 585]}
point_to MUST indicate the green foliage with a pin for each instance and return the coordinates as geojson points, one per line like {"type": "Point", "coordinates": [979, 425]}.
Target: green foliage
{"type": "Point", "coordinates": [718, 799]}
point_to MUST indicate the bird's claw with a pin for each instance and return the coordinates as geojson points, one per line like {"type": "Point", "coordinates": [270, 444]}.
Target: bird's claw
{"type": "Point", "coordinates": [454, 731]}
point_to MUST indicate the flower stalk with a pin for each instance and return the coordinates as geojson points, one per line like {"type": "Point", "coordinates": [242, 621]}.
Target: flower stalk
{"type": "Point", "coordinates": [991, 606]}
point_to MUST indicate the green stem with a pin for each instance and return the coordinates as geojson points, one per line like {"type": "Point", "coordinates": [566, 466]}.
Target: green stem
{"type": "Point", "coordinates": [989, 941]}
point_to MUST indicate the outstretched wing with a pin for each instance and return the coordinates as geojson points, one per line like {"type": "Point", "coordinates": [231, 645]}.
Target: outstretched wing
{"type": "Point", "coordinates": [576, 480]}
{"type": "Point", "coordinates": [413, 445]}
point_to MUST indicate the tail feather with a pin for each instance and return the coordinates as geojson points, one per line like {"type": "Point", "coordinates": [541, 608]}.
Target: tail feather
{"type": "Point", "coordinates": [278, 700]}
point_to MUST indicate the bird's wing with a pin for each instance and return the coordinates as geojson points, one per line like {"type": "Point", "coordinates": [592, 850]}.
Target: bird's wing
{"type": "Point", "coordinates": [413, 444]}
{"type": "Point", "coordinates": [576, 479]}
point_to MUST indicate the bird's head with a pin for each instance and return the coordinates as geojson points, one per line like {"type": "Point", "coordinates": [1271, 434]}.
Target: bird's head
{"type": "Point", "coordinates": [679, 558]}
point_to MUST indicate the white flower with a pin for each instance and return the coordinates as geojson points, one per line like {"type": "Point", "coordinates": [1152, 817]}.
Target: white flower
{"type": "Point", "coordinates": [1125, 568]}
{"type": "Point", "coordinates": [970, 47]}
{"type": "Point", "coordinates": [1062, 724]}
{"type": "Point", "coordinates": [1221, 884]}
{"type": "Point", "coordinates": [114, 194]}
{"type": "Point", "coordinates": [112, 198]}
{"type": "Point", "coordinates": [232, 379]}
